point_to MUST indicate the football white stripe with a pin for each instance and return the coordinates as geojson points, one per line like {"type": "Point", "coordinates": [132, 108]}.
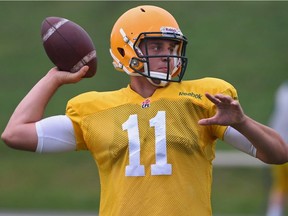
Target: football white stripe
{"type": "Point", "coordinates": [51, 30]}
{"type": "Point", "coordinates": [84, 61]}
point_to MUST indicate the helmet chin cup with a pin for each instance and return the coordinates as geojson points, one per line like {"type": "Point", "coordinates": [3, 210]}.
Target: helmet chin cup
{"type": "Point", "coordinates": [157, 78]}
{"type": "Point", "coordinates": [159, 75]}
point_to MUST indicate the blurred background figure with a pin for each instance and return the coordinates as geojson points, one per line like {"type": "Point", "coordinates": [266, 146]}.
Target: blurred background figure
{"type": "Point", "coordinates": [279, 121]}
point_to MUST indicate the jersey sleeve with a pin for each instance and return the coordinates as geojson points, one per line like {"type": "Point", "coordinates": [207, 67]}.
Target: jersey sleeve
{"type": "Point", "coordinates": [76, 120]}
{"type": "Point", "coordinates": [225, 88]}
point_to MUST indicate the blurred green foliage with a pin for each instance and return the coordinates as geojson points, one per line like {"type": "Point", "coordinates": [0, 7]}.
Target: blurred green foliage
{"type": "Point", "coordinates": [244, 43]}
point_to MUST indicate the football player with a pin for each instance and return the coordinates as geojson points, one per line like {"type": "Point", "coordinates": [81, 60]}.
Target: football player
{"type": "Point", "coordinates": [154, 140]}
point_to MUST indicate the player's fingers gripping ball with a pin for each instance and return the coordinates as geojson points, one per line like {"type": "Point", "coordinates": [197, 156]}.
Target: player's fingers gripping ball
{"type": "Point", "coordinates": [68, 45]}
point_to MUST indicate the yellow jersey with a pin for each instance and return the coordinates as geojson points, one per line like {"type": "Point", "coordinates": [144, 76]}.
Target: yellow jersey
{"type": "Point", "coordinates": [152, 156]}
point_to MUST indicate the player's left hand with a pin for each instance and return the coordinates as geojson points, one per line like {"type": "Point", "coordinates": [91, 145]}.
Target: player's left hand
{"type": "Point", "coordinates": [229, 111]}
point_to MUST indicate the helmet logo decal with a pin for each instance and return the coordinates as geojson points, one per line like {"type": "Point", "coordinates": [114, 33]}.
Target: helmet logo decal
{"type": "Point", "coordinates": [166, 29]}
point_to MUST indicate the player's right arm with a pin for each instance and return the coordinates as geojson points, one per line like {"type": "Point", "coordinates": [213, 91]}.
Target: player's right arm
{"type": "Point", "coordinates": [20, 132]}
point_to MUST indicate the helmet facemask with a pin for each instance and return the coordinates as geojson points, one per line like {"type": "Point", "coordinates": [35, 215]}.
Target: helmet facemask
{"type": "Point", "coordinates": [175, 60]}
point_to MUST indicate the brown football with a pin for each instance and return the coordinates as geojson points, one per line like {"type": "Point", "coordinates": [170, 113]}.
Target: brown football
{"type": "Point", "coordinates": [68, 45]}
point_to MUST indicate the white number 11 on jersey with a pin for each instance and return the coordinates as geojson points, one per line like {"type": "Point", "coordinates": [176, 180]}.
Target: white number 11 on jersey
{"type": "Point", "coordinates": [135, 168]}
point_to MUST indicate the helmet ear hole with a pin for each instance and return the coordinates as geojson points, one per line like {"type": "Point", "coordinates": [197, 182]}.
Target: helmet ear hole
{"type": "Point", "coordinates": [121, 51]}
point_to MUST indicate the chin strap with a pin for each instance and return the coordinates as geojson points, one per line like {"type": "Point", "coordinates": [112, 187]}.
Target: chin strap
{"type": "Point", "coordinates": [157, 82]}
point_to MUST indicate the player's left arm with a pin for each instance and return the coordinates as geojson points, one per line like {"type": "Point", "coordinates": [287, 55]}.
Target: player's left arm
{"type": "Point", "coordinates": [270, 147]}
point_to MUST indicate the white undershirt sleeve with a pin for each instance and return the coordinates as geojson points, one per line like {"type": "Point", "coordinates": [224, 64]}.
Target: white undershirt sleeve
{"type": "Point", "coordinates": [239, 141]}
{"type": "Point", "coordinates": [55, 134]}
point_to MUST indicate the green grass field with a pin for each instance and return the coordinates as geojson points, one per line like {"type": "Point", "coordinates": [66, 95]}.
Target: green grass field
{"type": "Point", "coordinates": [245, 43]}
